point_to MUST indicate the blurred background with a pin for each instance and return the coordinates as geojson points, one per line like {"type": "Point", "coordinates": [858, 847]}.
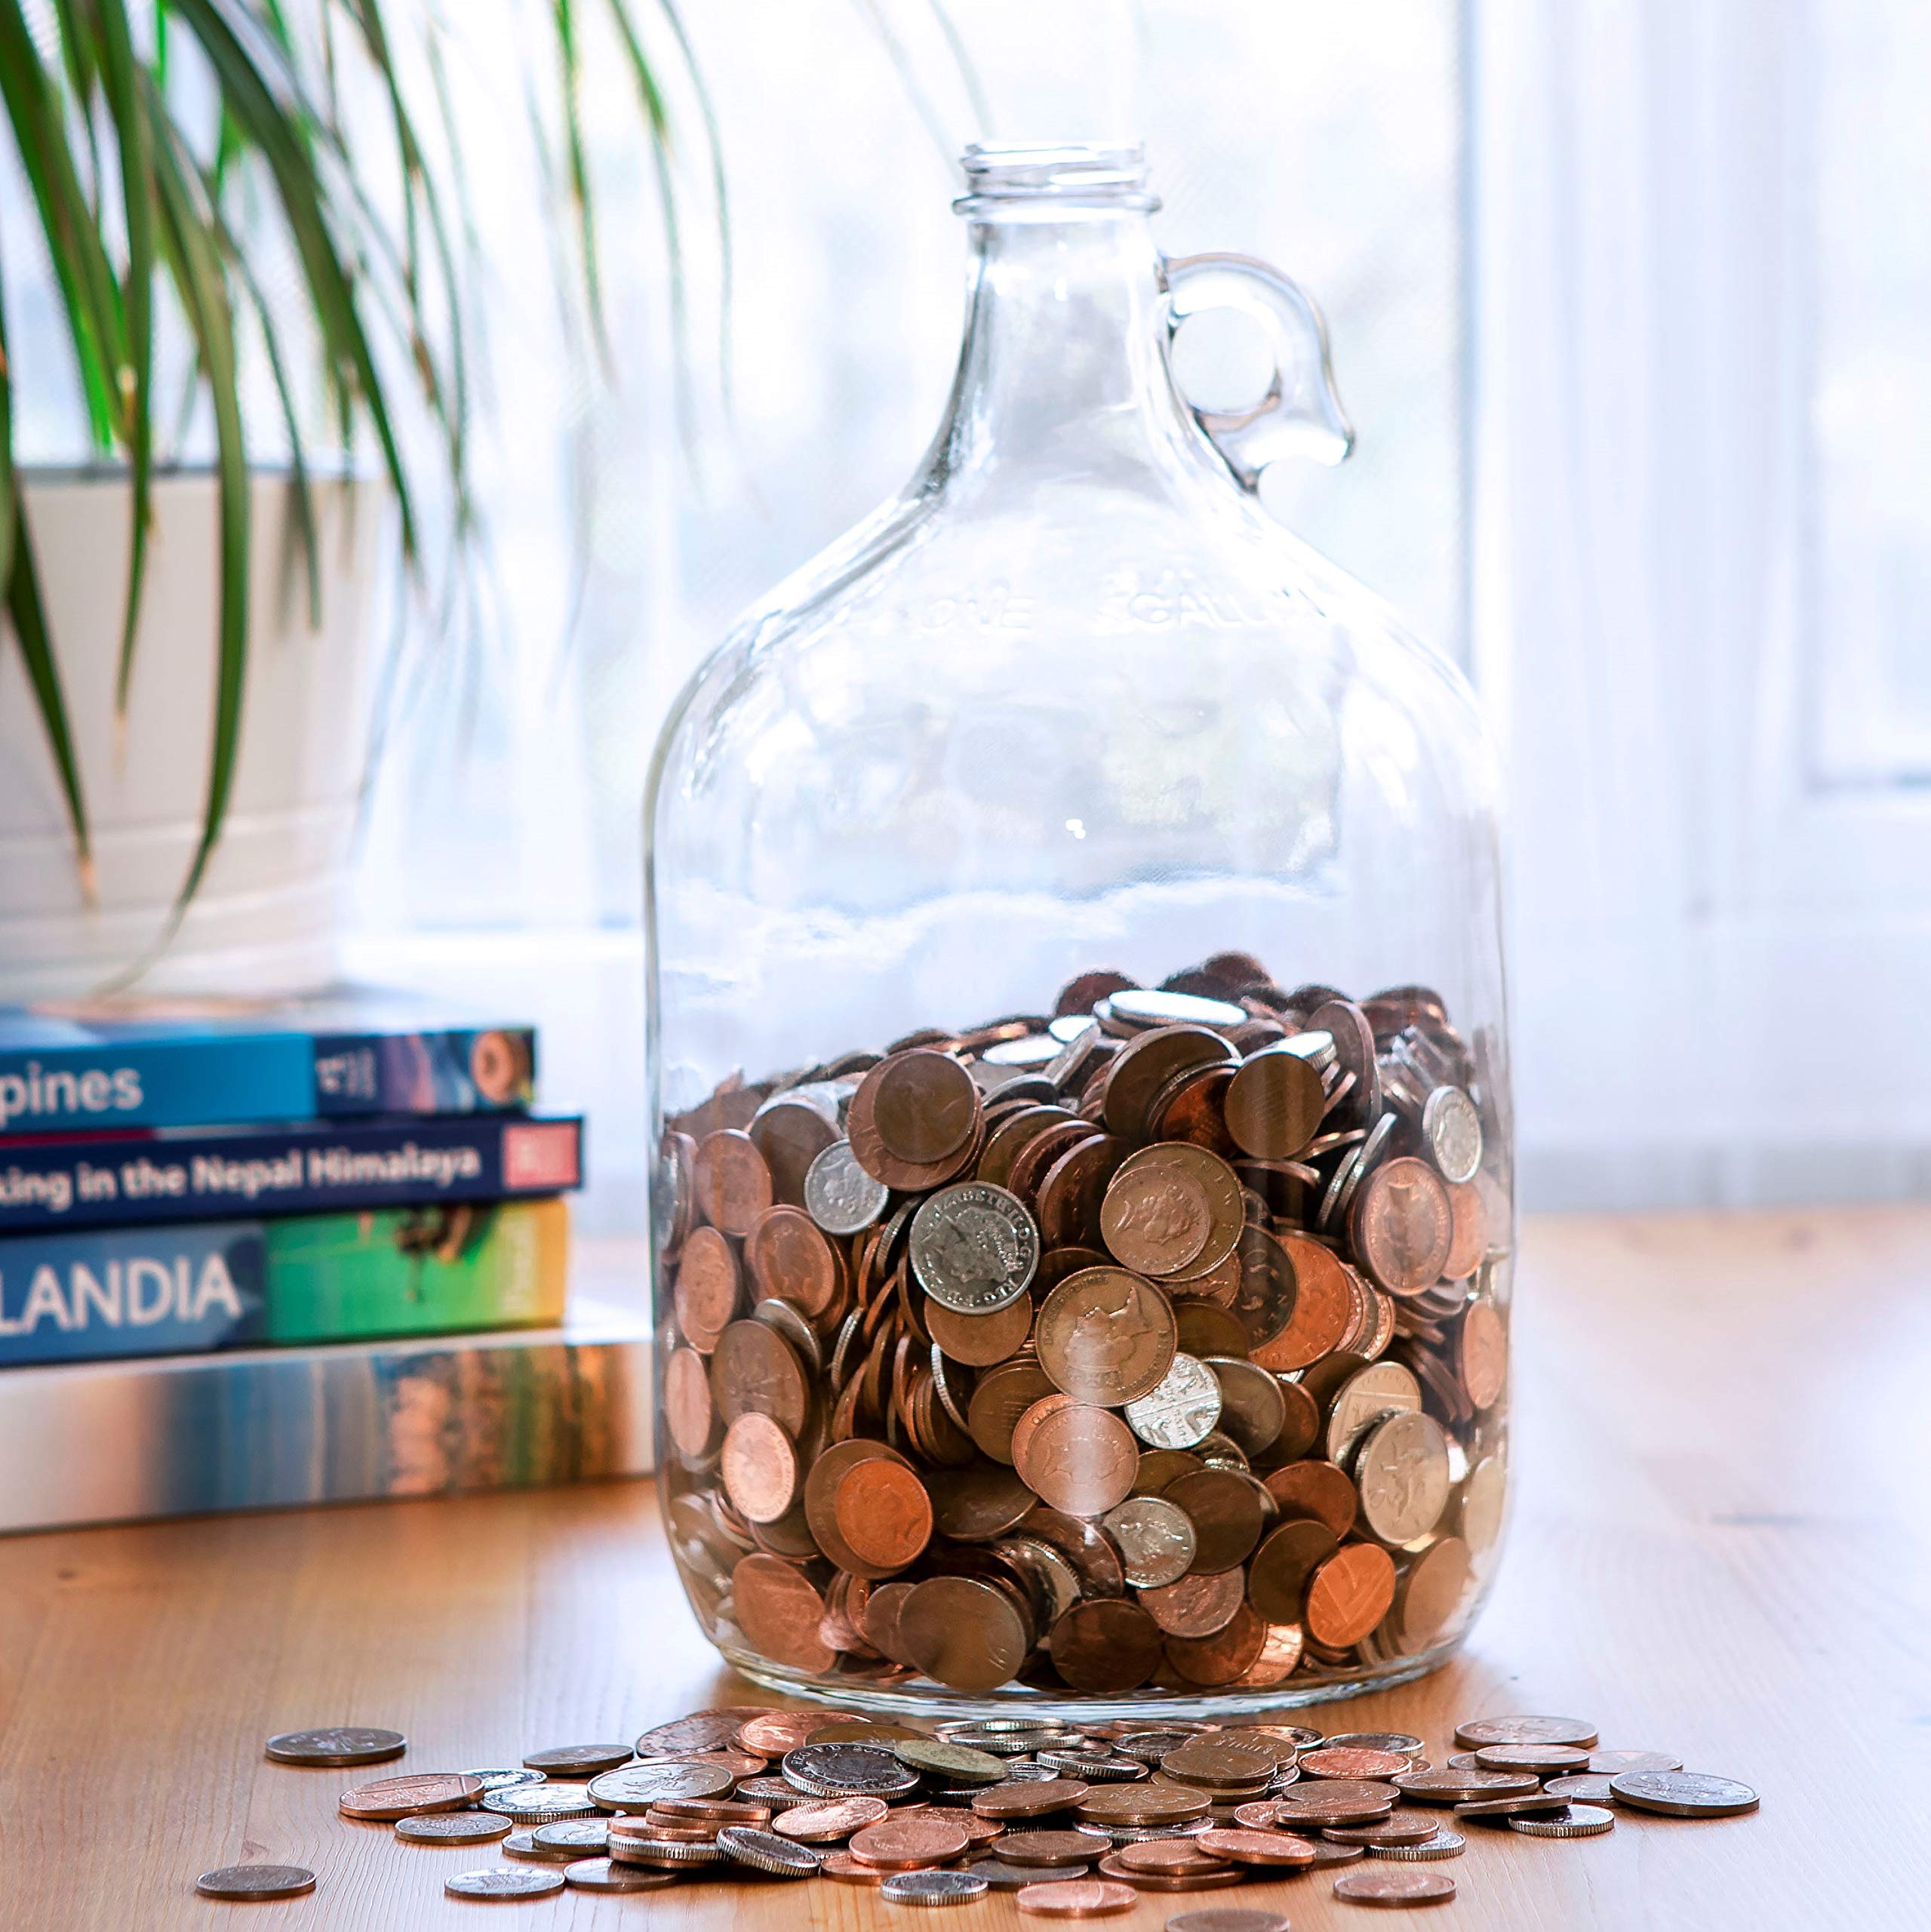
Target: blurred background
{"type": "Point", "coordinates": [1629, 306]}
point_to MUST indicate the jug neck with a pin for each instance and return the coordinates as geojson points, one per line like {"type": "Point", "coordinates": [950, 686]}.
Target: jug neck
{"type": "Point", "coordinates": [1063, 370]}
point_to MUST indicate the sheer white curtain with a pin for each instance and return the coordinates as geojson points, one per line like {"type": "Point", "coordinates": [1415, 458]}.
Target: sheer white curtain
{"type": "Point", "coordinates": [1703, 293]}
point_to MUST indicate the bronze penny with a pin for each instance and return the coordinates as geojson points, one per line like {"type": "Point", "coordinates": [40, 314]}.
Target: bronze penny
{"type": "Point", "coordinates": [1468, 1234]}
{"type": "Point", "coordinates": [909, 1840]}
{"type": "Point", "coordinates": [1219, 1761]}
{"type": "Point", "coordinates": [1105, 1336]}
{"type": "Point", "coordinates": [1345, 1761]}
{"type": "Point", "coordinates": [1320, 1312]}
{"type": "Point", "coordinates": [755, 1371]}
{"type": "Point", "coordinates": [1206, 1329]}
{"type": "Point", "coordinates": [1280, 1655]}
{"type": "Point", "coordinates": [780, 1612]}
{"type": "Point", "coordinates": [924, 1105]}
{"type": "Point", "coordinates": [1278, 1576]}
{"type": "Point", "coordinates": [1209, 1875]}
{"type": "Point", "coordinates": [1530, 1804]}
{"type": "Point", "coordinates": [790, 1130]}
{"type": "Point", "coordinates": [1349, 1595]}
{"type": "Point", "coordinates": [1481, 1355]}
{"type": "Point", "coordinates": [1228, 1510]}
{"type": "Point", "coordinates": [1300, 1423]}
{"type": "Point", "coordinates": [1317, 1491]}
{"type": "Point", "coordinates": [1082, 995]}
{"type": "Point", "coordinates": [1077, 1898]}
{"type": "Point", "coordinates": [1402, 1225]}
{"type": "Point", "coordinates": [1196, 1606]}
{"type": "Point", "coordinates": [821, 1492]}
{"type": "Point", "coordinates": [688, 1413]}
{"type": "Point", "coordinates": [1250, 1847]}
{"type": "Point", "coordinates": [1142, 1805]}
{"type": "Point", "coordinates": [1015, 1132]}
{"type": "Point", "coordinates": [1081, 1460]}
{"type": "Point", "coordinates": [850, 1870]}
{"type": "Point", "coordinates": [759, 1469]}
{"type": "Point", "coordinates": [1070, 1193]}
{"type": "Point", "coordinates": [1104, 1645]}
{"type": "Point", "coordinates": [964, 1633]}
{"type": "Point", "coordinates": [388, 1799]}
{"type": "Point", "coordinates": [702, 1730]}
{"type": "Point", "coordinates": [1037, 1799]}
{"type": "Point", "coordinates": [706, 1295]}
{"type": "Point", "coordinates": [980, 1341]}
{"type": "Point", "coordinates": [1142, 1067]}
{"type": "Point", "coordinates": [1028, 1424]}
{"type": "Point", "coordinates": [1156, 1218]}
{"type": "Point", "coordinates": [975, 1505]}
{"type": "Point", "coordinates": [1190, 1107]}
{"type": "Point", "coordinates": [1384, 1831]}
{"type": "Point", "coordinates": [733, 1185]}
{"type": "Point", "coordinates": [1226, 1208]}
{"type": "Point", "coordinates": [706, 1811]}
{"type": "Point", "coordinates": [1253, 1410]}
{"type": "Point", "coordinates": [1274, 1103]}
{"type": "Point", "coordinates": [1432, 1594]}
{"type": "Point", "coordinates": [884, 1514]}
{"type": "Point", "coordinates": [1451, 1787]}
{"type": "Point", "coordinates": [1044, 1847]}
{"type": "Point", "coordinates": [1224, 1658]}
{"type": "Point", "coordinates": [1004, 1394]}
{"type": "Point", "coordinates": [1479, 1732]}
{"type": "Point", "coordinates": [1377, 1885]}
{"type": "Point", "coordinates": [792, 1261]}
{"type": "Point", "coordinates": [1344, 1023]}
{"type": "Point", "coordinates": [1167, 1855]}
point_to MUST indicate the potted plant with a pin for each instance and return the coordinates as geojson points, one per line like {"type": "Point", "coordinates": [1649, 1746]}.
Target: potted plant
{"type": "Point", "coordinates": [186, 650]}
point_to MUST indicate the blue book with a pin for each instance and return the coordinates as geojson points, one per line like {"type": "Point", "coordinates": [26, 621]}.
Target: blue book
{"type": "Point", "coordinates": [349, 1051]}
{"type": "Point", "coordinates": [196, 1173]}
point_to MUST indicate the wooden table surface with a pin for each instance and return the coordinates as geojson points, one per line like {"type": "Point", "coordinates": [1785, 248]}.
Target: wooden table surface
{"type": "Point", "coordinates": [1720, 1548]}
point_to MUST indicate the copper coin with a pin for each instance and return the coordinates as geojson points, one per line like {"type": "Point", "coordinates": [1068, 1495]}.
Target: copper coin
{"type": "Point", "coordinates": [1141, 1804]}
{"type": "Point", "coordinates": [1477, 1732]}
{"type": "Point", "coordinates": [1167, 1855]}
{"type": "Point", "coordinates": [733, 1184]}
{"type": "Point", "coordinates": [1002, 1396]}
{"type": "Point", "coordinates": [850, 1871]}
{"type": "Point", "coordinates": [980, 1341]}
{"type": "Point", "coordinates": [1333, 1761]}
{"type": "Point", "coordinates": [1432, 1593]}
{"type": "Point", "coordinates": [755, 1371]}
{"type": "Point", "coordinates": [923, 1105]}
{"type": "Point", "coordinates": [1156, 1218]}
{"type": "Point", "coordinates": [1227, 1510]}
{"type": "Point", "coordinates": [1528, 1805]}
{"type": "Point", "coordinates": [1143, 1067]}
{"type": "Point", "coordinates": [1274, 1104]}
{"type": "Point", "coordinates": [578, 1761]}
{"type": "Point", "coordinates": [792, 1261]}
{"type": "Point", "coordinates": [1450, 1787]}
{"type": "Point", "coordinates": [1278, 1576]}
{"type": "Point", "coordinates": [771, 1733]}
{"type": "Point", "coordinates": [1219, 1761]}
{"type": "Point", "coordinates": [256, 1881]}
{"type": "Point", "coordinates": [1481, 1355]}
{"type": "Point", "coordinates": [1037, 1848]}
{"type": "Point", "coordinates": [1384, 1831]}
{"type": "Point", "coordinates": [1077, 1898]}
{"type": "Point", "coordinates": [1320, 1312]}
{"type": "Point", "coordinates": [1349, 1595]}
{"type": "Point", "coordinates": [1081, 1460]}
{"type": "Point", "coordinates": [1317, 1491]}
{"type": "Point", "coordinates": [966, 1635]}
{"type": "Point", "coordinates": [1468, 1240]}
{"type": "Point", "coordinates": [905, 1842]}
{"type": "Point", "coordinates": [1105, 1336]}
{"type": "Point", "coordinates": [707, 1811]}
{"type": "Point", "coordinates": [759, 1469]}
{"type": "Point", "coordinates": [1105, 1645]}
{"type": "Point", "coordinates": [971, 1505]}
{"type": "Point", "coordinates": [1248, 1847]}
{"type": "Point", "coordinates": [706, 1294]}
{"type": "Point", "coordinates": [1224, 1658]}
{"type": "Point", "coordinates": [1377, 1885]}
{"type": "Point", "coordinates": [1072, 1191]}
{"type": "Point", "coordinates": [1196, 1606]}
{"type": "Point", "coordinates": [703, 1731]}
{"type": "Point", "coordinates": [884, 1514]}
{"type": "Point", "coordinates": [780, 1612]}
{"type": "Point", "coordinates": [1403, 1224]}
{"type": "Point", "coordinates": [388, 1799]}
{"type": "Point", "coordinates": [1210, 1875]}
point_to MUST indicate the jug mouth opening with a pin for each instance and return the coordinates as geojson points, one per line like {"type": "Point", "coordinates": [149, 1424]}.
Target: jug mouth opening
{"type": "Point", "coordinates": [1035, 181]}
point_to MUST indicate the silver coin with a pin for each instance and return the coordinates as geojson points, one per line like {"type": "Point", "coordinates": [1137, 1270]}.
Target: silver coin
{"type": "Point", "coordinates": [637, 1787]}
{"type": "Point", "coordinates": [452, 1828]}
{"type": "Point", "coordinates": [974, 1248]}
{"type": "Point", "coordinates": [1030, 1050]}
{"type": "Point", "coordinates": [847, 1771]}
{"type": "Point", "coordinates": [1578, 1821]}
{"type": "Point", "coordinates": [1366, 1397]}
{"type": "Point", "coordinates": [505, 1780]}
{"type": "Point", "coordinates": [577, 1760]}
{"type": "Point", "coordinates": [1156, 1540]}
{"type": "Point", "coordinates": [1614, 1763]}
{"type": "Point", "coordinates": [605, 1874]}
{"type": "Point", "coordinates": [536, 1804]}
{"type": "Point", "coordinates": [342, 1744]}
{"type": "Point", "coordinates": [1378, 1740]}
{"type": "Point", "coordinates": [1004, 1878]}
{"type": "Point", "coordinates": [1683, 1793]}
{"type": "Point", "coordinates": [1403, 1476]}
{"type": "Point", "coordinates": [1585, 1787]}
{"type": "Point", "coordinates": [581, 1835]}
{"type": "Point", "coordinates": [1142, 1006]}
{"type": "Point", "coordinates": [256, 1881]}
{"type": "Point", "coordinates": [1180, 1411]}
{"type": "Point", "coordinates": [765, 1851]}
{"type": "Point", "coordinates": [502, 1881]}
{"type": "Point", "coordinates": [523, 1844]}
{"type": "Point", "coordinates": [1453, 1131]}
{"type": "Point", "coordinates": [1231, 1921]}
{"type": "Point", "coordinates": [934, 1888]}
{"type": "Point", "coordinates": [839, 1195]}
{"type": "Point", "coordinates": [1298, 1735]}
{"type": "Point", "coordinates": [666, 1851]}
{"type": "Point", "coordinates": [1445, 1844]}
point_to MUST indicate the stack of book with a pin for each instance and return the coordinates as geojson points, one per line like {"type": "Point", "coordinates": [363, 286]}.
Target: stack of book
{"type": "Point", "coordinates": [257, 1255]}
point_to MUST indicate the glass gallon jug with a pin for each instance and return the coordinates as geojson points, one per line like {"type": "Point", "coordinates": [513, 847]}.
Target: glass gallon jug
{"type": "Point", "coordinates": [1083, 1215]}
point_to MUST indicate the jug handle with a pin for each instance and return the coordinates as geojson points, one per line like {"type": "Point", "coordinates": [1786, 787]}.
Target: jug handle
{"type": "Point", "coordinates": [1301, 413]}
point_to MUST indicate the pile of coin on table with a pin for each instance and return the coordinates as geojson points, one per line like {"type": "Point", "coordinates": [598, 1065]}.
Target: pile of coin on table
{"type": "Point", "coordinates": [1078, 1820]}
{"type": "Point", "coordinates": [1160, 1341]}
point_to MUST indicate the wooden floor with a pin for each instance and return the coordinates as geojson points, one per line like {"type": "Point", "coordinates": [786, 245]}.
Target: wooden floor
{"type": "Point", "coordinates": [1719, 1548]}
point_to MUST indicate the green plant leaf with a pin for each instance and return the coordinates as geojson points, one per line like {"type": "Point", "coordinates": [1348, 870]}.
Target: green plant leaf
{"type": "Point", "coordinates": [562, 16]}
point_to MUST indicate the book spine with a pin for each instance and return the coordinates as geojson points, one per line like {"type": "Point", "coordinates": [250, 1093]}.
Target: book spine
{"type": "Point", "coordinates": [188, 1177]}
{"type": "Point", "coordinates": [308, 1277]}
{"type": "Point", "coordinates": [237, 1078]}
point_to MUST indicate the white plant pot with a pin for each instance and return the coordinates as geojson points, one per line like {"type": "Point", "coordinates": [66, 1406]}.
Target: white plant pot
{"type": "Point", "coordinates": [266, 918]}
